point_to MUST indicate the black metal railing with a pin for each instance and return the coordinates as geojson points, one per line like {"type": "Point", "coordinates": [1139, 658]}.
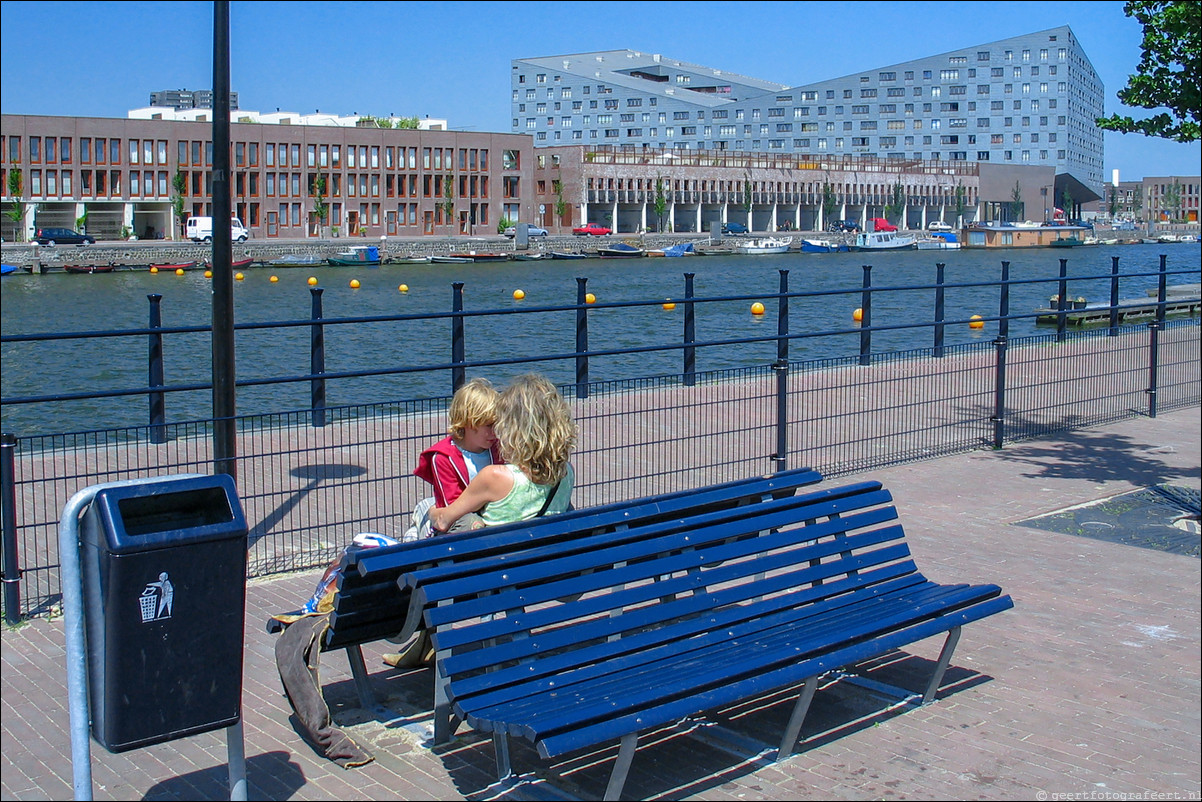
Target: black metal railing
{"type": "Point", "coordinates": [311, 478]}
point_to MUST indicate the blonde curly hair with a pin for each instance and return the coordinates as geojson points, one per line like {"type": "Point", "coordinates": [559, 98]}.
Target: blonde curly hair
{"type": "Point", "coordinates": [474, 404]}
{"type": "Point", "coordinates": [535, 428]}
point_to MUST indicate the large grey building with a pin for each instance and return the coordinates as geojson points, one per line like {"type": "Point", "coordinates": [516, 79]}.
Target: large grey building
{"type": "Point", "coordinates": [1028, 100]}
{"type": "Point", "coordinates": [188, 99]}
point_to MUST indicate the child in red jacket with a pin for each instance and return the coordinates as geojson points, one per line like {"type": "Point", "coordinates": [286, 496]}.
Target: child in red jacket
{"type": "Point", "coordinates": [451, 463]}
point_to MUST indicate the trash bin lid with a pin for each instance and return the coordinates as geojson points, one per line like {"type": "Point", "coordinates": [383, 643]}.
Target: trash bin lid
{"type": "Point", "coordinates": [172, 512]}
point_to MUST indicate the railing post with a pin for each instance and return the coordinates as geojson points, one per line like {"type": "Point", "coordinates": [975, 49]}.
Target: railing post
{"type": "Point", "coordinates": [8, 528]}
{"type": "Point", "coordinates": [1061, 304]}
{"type": "Point", "coordinates": [158, 407]}
{"type": "Point", "coordinates": [317, 361]}
{"type": "Point", "coordinates": [781, 367]}
{"type": "Point", "coordinates": [1003, 322]}
{"type": "Point", "coordinates": [1114, 296]}
{"type": "Point", "coordinates": [939, 308]}
{"type": "Point", "coordinates": [690, 333]}
{"type": "Point", "coordinates": [581, 338]}
{"type": "Point", "coordinates": [866, 317]}
{"type": "Point", "coordinates": [458, 372]}
{"type": "Point", "coordinates": [1154, 338]}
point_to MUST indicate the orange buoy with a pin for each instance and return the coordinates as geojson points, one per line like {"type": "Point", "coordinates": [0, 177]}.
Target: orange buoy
{"type": "Point", "coordinates": [669, 306]}
{"type": "Point", "coordinates": [975, 322]}
{"type": "Point", "coordinates": [312, 281]}
{"type": "Point", "coordinates": [354, 284]}
{"type": "Point", "coordinates": [757, 308]}
{"type": "Point", "coordinates": [238, 277]}
{"type": "Point", "coordinates": [274, 279]}
{"type": "Point", "coordinates": [519, 295]}
{"type": "Point", "coordinates": [179, 271]}
{"type": "Point", "coordinates": [857, 315]}
{"type": "Point", "coordinates": [403, 288]}
{"type": "Point", "coordinates": [590, 298]}
{"type": "Point", "coordinates": [208, 274]}
{"type": "Point", "coordinates": [153, 269]}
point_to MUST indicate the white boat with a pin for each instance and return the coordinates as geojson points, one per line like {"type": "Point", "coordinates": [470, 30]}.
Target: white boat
{"type": "Point", "coordinates": [766, 245]}
{"type": "Point", "coordinates": [884, 241]}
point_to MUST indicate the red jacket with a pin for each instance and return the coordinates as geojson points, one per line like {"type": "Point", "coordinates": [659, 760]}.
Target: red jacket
{"type": "Point", "coordinates": [443, 466]}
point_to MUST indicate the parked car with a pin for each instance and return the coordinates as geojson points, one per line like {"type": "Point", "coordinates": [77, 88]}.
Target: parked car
{"type": "Point", "coordinates": [938, 225]}
{"type": "Point", "coordinates": [592, 229]}
{"type": "Point", "coordinates": [734, 228]}
{"type": "Point", "coordinates": [531, 231]}
{"type": "Point", "coordinates": [62, 236]}
{"type": "Point", "coordinates": [844, 225]}
{"type": "Point", "coordinates": [881, 224]}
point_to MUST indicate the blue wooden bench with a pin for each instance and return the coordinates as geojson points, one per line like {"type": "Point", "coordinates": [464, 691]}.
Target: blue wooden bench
{"type": "Point", "coordinates": [373, 603]}
{"type": "Point", "coordinates": [605, 636]}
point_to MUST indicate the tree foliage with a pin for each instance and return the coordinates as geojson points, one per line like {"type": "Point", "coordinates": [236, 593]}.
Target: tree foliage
{"type": "Point", "coordinates": [1168, 74]}
{"type": "Point", "coordinates": [897, 202]}
{"type": "Point", "coordinates": [16, 209]}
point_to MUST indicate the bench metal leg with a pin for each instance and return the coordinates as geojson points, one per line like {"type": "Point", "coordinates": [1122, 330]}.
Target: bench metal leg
{"type": "Point", "coordinates": [945, 657]}
{"type": "Point", "coordinates": [443, 717]}
{"type": "Point", "coordinates": [354, 655]}
{"type": "Point", "coordinates": [793, 729]}
{"type": "Point", "coordinates": [500, 742]}
{"type": "Point", "coordinates": [617, 778]}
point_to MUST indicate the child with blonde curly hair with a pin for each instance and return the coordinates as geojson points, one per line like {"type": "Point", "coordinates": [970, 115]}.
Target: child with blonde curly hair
{"type": "Point", "coordinates": [535, 429]}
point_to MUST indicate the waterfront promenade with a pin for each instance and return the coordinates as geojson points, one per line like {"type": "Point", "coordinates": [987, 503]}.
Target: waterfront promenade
{"type": "Point", "coordinates": [1088, 689]}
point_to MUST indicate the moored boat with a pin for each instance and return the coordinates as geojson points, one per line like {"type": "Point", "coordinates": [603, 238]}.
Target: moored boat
{"type": "Point", "coordinates": [884, 241]}
{"type": "Point", "coordinates": [679, 249]}
{"type": "Point", "coordinates": [451, 260]}
{"type": "Point", "coordinates": [528, 257]}
{"type": "Point", "coordinates": [569, 255]}
{"type": "Point", "coordinates": [765, 245]}
{"type": "Point", "coordinates": [296, 260]}
{"type": "Point", "coordinates": [176, 266]}
{"type": "Point", "coordinates": [822, 246]}
{"type": "Point", "coordinates": [358, 255]}
{"type": "Point", "coordinates": [238, 265]}
{"type": "Point", "coordinates": [88, 268]}
{"type": "Point", "coordinates": [941, 241]}
{"type": "Point", "coordinates": [482, 256]}
{"type": "Point", "coordinates": [621, 250]}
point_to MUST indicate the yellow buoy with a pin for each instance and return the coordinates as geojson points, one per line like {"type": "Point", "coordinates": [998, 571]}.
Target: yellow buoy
{"type": "Point", "coordinates": [354, 284]}
{"type": "Point", "coordinates": [519, 295]}
{"type": "Point", "coordinates": [154, 269]}
{"type": "Point", "coordinates": [857, 315]}
{"type": "Point", "coordinates": [208, 274]}
{"type": "Point", "coordinates": [312, 281]}
{"type": "Point", "coordinates": [238, 277]}
{"type": "Point", "coordinates": [669, 306]}
{"type": "Point", "coordinates": [274, 279]}
{"type": "Point", "coordinates": [179, 271]}
{"type": "Point", "coordinates": [403, 288]}
{"type": "Point", "coordinates": [590, 298]}
{"type": "Point", "coordinates": [757, 308]}
{"type": "Point", "coordinates": [975, 322]}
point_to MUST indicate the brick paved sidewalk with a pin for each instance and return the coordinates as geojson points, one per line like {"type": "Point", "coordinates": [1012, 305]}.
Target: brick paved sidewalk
{"type": "Point", "coordinates": [1090, 686]}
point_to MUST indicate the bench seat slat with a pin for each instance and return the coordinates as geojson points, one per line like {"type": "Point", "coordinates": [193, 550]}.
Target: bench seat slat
{"type": "Point", "coordinates": [553, 744]}
{"type": "Point", "coordinates": [715, 657]}
{"type": "Point", "coordinates": [697, 582]}
{"type": "Point", "coordinates": [766, 516]}
{"type": "Point", "coordinates": [592, 656]}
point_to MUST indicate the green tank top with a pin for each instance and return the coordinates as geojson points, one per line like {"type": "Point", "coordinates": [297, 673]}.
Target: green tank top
{"type": "Point", "coordinates": [526, 498]}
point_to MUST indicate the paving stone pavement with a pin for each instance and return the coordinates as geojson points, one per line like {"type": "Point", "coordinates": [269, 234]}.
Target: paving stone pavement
{"type": "Point", "coordinates": [1088, 689]}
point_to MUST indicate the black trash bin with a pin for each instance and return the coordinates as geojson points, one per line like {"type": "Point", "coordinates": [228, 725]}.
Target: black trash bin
{"type": "Point", "coordinates": [164, 584]}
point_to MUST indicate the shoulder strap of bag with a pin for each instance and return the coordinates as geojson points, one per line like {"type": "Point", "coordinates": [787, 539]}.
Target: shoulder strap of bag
{"type": "Point", "coordinates": [550, 498]}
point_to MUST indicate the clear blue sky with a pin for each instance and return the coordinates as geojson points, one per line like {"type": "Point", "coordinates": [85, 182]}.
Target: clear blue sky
{"type": "Point", "coordinates": [451, 59]}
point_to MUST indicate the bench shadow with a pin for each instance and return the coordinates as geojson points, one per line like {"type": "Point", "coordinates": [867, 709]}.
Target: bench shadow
{"type": "Point", "coordinates": [695, 756]}
{"type": "Point", "coordinates": [271, 775]}
{"type": "Point", "coordinates": [315, 474]}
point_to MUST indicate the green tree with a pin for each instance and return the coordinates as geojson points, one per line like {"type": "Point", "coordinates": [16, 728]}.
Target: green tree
{"type": "Point", "coordinates": [661, 203]}
{"type": "Point", "coordinates": [961, 204]}
{"type": "Point", "coordinates": [1168, 74]}
{"type": "Point", "coordinates": [897, 202]}
{"type": "Point", "coordinates": [448, 205]}
{"type": "Point", "coordinates": [747, 192]}
{"type": "Point", "coordinates": [561, 207]}
{"type": "Point", "coordinates": [1114, 203]}
{"type": "Point", "coordinates": [321, 209]}
{"type": "Point", "coordinates": [16, 209]}
{"type": "Point", "coordinates": [1016, 203]}
{"type": "Point", "coordinates": [829, 202]}
{"type": "Point", "coordinates": [1170, 201]}
{"type": "Point", "coordinates": [409, 123]}
{"type": "Point", "coordinates": [505, 223]}
{"type": "Point", "coordinates": [179, 182]}
{"type": "Point", "coordinates": [81, 222]}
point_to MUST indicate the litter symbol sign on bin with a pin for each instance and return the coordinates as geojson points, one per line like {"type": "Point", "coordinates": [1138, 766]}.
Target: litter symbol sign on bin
{"type": "Point", "coordinates": [156, 599]}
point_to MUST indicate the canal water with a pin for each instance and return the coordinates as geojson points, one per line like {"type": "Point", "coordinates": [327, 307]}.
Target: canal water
{"type": "Point", "coordinates": [627, 318]}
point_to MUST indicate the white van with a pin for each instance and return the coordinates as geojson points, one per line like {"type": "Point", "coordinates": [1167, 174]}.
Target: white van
{"type": "Point", "coordinates": [200, 229]}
